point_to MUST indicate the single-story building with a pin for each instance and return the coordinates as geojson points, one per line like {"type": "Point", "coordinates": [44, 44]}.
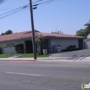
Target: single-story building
{"type": "Point", "coordinates": [51, 41]}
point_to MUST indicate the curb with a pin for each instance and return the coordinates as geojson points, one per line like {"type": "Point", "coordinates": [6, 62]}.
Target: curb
{"type": "Point", "coordinates": [54, 59]}
{"type": "Point", "coordinates": [17, 59]}
{"type": "Point", "coordinates": [64, 60]}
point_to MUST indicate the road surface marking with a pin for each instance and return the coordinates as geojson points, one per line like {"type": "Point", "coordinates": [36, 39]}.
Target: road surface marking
{"type": "Point", "coordinates": [24, 74]}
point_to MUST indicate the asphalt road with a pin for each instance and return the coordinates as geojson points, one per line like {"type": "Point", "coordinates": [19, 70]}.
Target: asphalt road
{"type": "Point", "coordinates": [43, 75]}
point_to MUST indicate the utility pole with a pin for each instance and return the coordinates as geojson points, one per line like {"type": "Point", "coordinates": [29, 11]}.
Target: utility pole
{"type": "Point", "coordinates": [33, 33]}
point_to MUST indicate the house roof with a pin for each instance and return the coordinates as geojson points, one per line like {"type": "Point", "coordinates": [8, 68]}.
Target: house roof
{"type": "Point", "coordinates": [28, 34]}
{"type": "Point", "coordinates": [61, 35]}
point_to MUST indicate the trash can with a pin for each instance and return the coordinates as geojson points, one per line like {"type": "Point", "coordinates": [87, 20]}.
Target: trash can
{"type": "Point", "coordinates": [44, 51]}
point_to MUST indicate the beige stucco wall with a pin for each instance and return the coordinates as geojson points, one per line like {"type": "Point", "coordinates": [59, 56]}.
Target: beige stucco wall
{"type": "Point", "coordinates": [52, 42]}
{"type": "Point", "coordinates": [10, 49]}
{"type": "Point", "coordinates": [63, 42]}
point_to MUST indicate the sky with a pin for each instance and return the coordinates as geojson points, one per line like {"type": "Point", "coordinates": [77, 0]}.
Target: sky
{"type": "Point", "coordinates": [67, 16]}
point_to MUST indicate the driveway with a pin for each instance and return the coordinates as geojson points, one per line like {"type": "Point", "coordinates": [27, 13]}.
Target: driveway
{"type": "Point", "coordinates": [79, 53]}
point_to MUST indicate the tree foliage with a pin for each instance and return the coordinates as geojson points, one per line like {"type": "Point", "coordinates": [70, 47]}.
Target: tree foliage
{"type": "Point", "coordinates": [81, 32]}
{"type": "Point", "coordinates": [87, 27]}
{"type": "Point", "coordinates": [19, 48]}
{"type": "Point", "coordinates": [1, 50]}
{"type": "Point", "coordinates": [39, 39]}
{"type": "Point", "coordinates": [84, 32]}
{"type": "Point", "coordinates": [7, 32]}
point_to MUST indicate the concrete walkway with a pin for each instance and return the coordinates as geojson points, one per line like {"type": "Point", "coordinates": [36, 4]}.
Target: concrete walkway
{"type": "Point", "coordinates": [53, 59]}
{"type": "Point", "coordinates": [16, 55]}
{"type": "Point", "coordinates": [17, 59]}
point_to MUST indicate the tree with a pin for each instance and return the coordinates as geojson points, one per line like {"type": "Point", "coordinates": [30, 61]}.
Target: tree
{"type": "Point", "coordinates": [87, 32]}
{"type": "Point", "coordinates": [39, 41]}
{"type": "Point", "coordinates": [2, 34]}
{"type": "Point", "coordinates": [57, 32]}
{"type": "Point", "coordinates": [82, 32]}
{"type": "Point", "coordinates": [87, 27]}
{"type": "Point", "coordinates": [7, 32]}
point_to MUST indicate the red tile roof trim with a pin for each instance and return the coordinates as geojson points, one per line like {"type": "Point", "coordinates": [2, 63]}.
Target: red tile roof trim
{"type": "Point", "coordinates": [28, 34]}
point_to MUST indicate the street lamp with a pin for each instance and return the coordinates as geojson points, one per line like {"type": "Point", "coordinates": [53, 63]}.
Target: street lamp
{"type": "Point", "coordinates": [33, 33]}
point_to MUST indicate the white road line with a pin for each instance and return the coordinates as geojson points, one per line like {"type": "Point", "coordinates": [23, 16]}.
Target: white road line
{"type": "Point", "coordinates": [24, 74]}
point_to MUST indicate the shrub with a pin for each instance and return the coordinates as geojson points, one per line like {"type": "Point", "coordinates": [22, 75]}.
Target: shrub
{"type": "Point", "coordinates": [67, 48]}
{"type": "Point", "coordinates": [78, 48]}
{"type": "Point", "coordinates": [19, 48]}
{"type": "Point", "coordinates": [0, 50]}
{"type": "Point", "coordinates": [64, 50]}
{"type": "Point", "coordinates": [71, 47]}
{"type": "Point", "coordinates": [74, 46]}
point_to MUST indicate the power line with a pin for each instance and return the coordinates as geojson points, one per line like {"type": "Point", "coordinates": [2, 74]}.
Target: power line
{"type": "Point", "coordinates": [4, 9]}
{"type": "Point", "coordinates": [2, 1]}
{"type": "Point", "coordinates": [7, 9]}
{"type": "Point", "coordinates": [23, 8]}
{"type": "Point", "coordinates": [46, 2]}
{"type": "Point", "coordinates": [10, 14]}
{"type": "Point", "coordinates": [37, 1]}
{"type": "Point", "coordinates": [13, 11]}
{"type": "Point", "coordinates": [33, 4]}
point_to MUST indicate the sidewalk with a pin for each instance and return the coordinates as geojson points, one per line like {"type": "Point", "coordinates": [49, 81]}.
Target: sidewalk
{"type": "Point", "coordinates": [17, 59]}
{"type": "Point", "coordinates": [64, 59]}
{"type": "Point", "coordinates": [49, 59]}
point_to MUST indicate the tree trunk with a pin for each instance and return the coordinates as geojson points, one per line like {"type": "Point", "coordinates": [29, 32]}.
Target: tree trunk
{"type": "Point", "coordinates": [39, 49]}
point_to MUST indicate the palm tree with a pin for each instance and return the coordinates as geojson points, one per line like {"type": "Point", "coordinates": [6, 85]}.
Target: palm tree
{"type": "Point", "coordinates": [87, 26]}
{"type": "Point", "coordinates": [87, 29]}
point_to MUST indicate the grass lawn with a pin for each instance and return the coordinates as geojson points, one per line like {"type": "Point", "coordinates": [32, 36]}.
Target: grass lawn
{"type": "Point", "coordinates": [27, 55]}
{"type": "Point", "coordinates": [5, 55]}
